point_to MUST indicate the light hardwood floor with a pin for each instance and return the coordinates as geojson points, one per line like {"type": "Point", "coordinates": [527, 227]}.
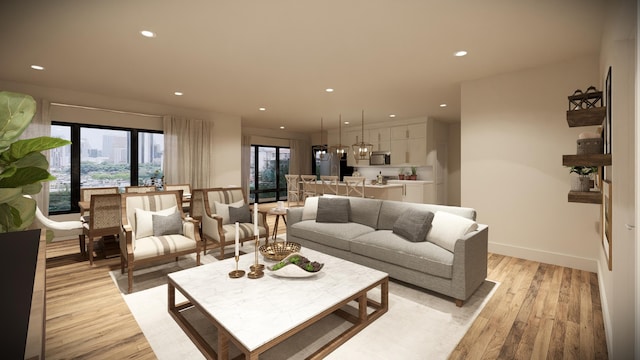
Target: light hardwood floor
{"type": "Point", "coordinates": [538, 311]}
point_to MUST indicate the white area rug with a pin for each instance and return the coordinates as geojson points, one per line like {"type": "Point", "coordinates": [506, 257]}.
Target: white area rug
{"type": "Point", "coordinates": [418, 325]}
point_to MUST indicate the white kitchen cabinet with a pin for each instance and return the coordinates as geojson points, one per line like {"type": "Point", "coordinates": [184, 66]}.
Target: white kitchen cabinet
{"type": "Point", "coordinates": [417, 191]}
{"type": "Point", "coordinates": [380, 139]}
{"type": "Point", "coordinates": [409, 144]}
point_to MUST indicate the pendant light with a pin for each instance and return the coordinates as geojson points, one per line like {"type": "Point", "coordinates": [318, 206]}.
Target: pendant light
{"type": "Point", "coordinates": [322, 152]}
{"type": "Point", "coordinates": [339, 149]}
{"type": "Point", "coordinates": [361, 150]}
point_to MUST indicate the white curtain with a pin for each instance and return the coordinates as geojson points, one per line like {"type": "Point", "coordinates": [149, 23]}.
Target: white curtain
{"type": "Point", "coordinates": [40, 126]}
{"type": "Point", "coordinates": [188, 149]}
{"type": "Point", "coordinates": [246, 163]}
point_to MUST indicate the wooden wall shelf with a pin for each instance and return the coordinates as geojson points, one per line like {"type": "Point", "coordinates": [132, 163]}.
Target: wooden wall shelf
{"type": "Point", "coordinates": [587, 160]}
{"type": "Point", "coordinates": [587, 197]}
{"type": "Point", "coordinates": [586, 117]}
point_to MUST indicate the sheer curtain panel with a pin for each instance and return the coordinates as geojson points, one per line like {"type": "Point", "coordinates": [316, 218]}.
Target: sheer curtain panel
{"type": "Point", "coordinates": [188, 148]}
{"type": "Point", "coordinates": [40, 126]}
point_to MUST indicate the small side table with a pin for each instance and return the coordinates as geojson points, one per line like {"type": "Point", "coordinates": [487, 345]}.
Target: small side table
{"type": "Point", "coordinates": [278, 213]}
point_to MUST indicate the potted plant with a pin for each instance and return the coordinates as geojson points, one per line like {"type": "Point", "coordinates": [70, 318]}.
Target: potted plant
{"type": "Point", "coordinates": [22, 170]}
{"type": "Point", "coordinates": [23, 167]}
{"type": "Point", "coordinates": [413, 175]}
{"type": "Point", "coordinates": [401, 174]}
{"type": "Point", "coordinates": [582, 182]}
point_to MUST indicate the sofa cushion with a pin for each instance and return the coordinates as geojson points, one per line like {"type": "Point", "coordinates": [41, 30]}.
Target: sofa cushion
{"type": "Point", "coordinates": [337, 235]}
{"type": "Point", "coordinates": [391, 210]}
{"type": "Point", "coordinates": [223, 209]}
{"type": "Point", "coordinates": [447, 228]}
{"type": "Point", "coordinates": [167, 224]}
{"type": "Point", "coordinates": [310, 209]}
{"type": "Point", "coordinates": [365, 211]}
{"type": "Point", "coordinates": [240, 214]}
{"type": "Point", "coordinates": [144, 220]}
{"type": "Point", "coordinates": [152, 246]}
{"type": "Point", "coordinates": [413, 224]}
{"type": "Point", "coordinates": [333, 210]}
{"type": "Point", "coordinates": [386, 246]}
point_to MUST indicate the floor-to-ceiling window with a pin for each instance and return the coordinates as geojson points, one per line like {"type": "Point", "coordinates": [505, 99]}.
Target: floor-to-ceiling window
{"type": "Point", "coordinates": [101, 156]}
{"type": "Point", "coordinates": [269, 165]}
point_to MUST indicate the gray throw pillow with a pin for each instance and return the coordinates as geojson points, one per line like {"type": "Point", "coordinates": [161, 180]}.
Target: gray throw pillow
{"type": "Point", "coordinates": [413, 224]}
{"type": "Point", "coordinates": [240, 214]}
{"type": "Point", "coordinates": [333, 210]}
{"type": "Point", "coordinates": [167, 225]}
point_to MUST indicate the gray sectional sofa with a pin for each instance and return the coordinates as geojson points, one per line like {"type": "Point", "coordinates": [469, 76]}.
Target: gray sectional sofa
{"type": "Point", "coordinates": [451, 259]}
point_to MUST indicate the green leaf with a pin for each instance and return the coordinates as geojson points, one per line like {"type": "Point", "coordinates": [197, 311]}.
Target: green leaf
{"type": "Point", "coordinates": [25, 176]}
{"type": "Point", "coordinates": [32, 189]}
{"type": "Point", "coordinates": [9, 194]}
{"type": "Point", "coordinates": [21, 148]}
{"type": "Point", "coordinates": [18, 214]}
{"type": "Point", "coordinates": [33, 159]}
{"type": "Point", "coordinates": [8, 171]}
{"type": "Point", "coordinates": [16, 112]}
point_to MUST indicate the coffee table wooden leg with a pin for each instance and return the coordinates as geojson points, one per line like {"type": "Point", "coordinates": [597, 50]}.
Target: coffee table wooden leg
{"type": "Point", "coordinates": [223, 345]}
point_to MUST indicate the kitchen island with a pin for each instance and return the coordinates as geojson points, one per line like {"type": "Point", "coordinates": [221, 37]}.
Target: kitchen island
{"type": "Point", "coordinates": [383, 192]}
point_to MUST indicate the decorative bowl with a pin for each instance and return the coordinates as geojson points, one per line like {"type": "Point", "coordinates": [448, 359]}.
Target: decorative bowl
{"type": "Point", "coordinates": [279, 250]}
{"type": "Point", "coordinates": [290, 269]}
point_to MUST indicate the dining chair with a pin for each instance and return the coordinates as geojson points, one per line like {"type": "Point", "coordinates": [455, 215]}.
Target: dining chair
{"type": "Point", "coordinates": [85, 196]}
{"type": "Point", "coordinates": [139, 189]}
{"type": "Point", "coordinates": [105, 219]}
{"type": "Point", "coordinates": [355, 185]}
{"type": "Point", "coordinates": [309, 186]}
{"type": "Point", "coordinates": [330, 184]}
{"type": "Point", "coordinates": [293, 189]}
{"type": "Point", "coordinates": [186, 193]}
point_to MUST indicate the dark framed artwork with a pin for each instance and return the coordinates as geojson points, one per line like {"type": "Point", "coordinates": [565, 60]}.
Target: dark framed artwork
{"type": "Point", "coordinates": [606, 131]}
{"type": "Point", "coordinates": [607, 208]}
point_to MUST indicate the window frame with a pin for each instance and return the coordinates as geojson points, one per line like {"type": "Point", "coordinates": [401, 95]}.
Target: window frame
{"type": "Point", "coordinates": [76, 156]}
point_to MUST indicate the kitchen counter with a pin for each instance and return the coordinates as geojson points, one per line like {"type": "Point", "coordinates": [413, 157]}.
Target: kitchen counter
{"type": "Point", "coordinates": [383, 192]}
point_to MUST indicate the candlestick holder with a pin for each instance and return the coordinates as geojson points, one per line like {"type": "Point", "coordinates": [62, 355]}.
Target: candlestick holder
{"type": "Point", "coordinates": [236, 273]}
{"type": "Point", "coordinates": [257, 268]}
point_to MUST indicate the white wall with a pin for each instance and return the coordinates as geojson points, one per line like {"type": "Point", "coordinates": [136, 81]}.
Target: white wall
{"type": "Point", "coordinates": [619, 286]}
{"type": "Point", "coordinates": [513, 135]}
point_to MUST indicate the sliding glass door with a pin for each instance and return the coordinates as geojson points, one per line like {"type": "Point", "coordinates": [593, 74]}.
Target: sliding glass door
{"type": "Point", "coordinates": [269, 165]}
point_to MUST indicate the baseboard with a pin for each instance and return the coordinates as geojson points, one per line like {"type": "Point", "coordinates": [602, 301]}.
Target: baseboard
{"type": "Point", "coordinates": [604, 303]}
{"type": "Point", "coordinates": [546, 257]}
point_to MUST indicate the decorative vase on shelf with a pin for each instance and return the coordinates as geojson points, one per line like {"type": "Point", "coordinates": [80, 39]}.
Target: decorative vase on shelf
{"type": "Point", "coordinates": [580, 183]}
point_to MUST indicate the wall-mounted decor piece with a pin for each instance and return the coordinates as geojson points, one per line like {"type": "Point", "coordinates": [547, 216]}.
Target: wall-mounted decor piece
{"type": "Point", "coordinates": [606, 133]}
{"type": "Point", "coordinates": [606, 221]}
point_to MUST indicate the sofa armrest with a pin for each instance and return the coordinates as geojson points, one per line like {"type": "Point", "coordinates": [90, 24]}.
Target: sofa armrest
{"type": "Point", "coordinates": [294, 215]}
{"type": "Point", "coordinates": [470, 262]}
{"type": "Point", "coordinates": [211, 226]}
{"type": "Point", "coordinates": [190, 229]}
{"type": "Point", "coordinates": [126, 240]}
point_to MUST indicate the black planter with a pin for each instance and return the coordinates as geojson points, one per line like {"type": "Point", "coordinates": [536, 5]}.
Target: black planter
{"type": "Point", "coordinates": [17, 272]}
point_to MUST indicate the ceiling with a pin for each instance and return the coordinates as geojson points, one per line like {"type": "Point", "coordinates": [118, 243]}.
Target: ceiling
{"type": "Point", "coordinates": [233, 57]}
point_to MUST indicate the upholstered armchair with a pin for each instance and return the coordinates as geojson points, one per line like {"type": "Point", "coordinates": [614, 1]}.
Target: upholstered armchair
{"type": "Point", "coordinates": [223, 207]}
{"type": "Point", "coordinates": [155, 228]}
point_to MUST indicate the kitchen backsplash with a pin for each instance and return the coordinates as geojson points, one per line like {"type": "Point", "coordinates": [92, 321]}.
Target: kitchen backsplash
{"type": "Point", "coordinates": [371, 172]}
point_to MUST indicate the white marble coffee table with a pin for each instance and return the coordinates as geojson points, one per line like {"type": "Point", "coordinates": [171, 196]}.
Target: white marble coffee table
{"type": "Point", "coordinates": [257, 314]}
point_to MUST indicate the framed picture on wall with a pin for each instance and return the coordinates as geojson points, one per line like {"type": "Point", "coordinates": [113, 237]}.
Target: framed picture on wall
{"type": "Point", "coordinates": [606, 125]}
{"type": "Point", "coordinates": [606, 221]}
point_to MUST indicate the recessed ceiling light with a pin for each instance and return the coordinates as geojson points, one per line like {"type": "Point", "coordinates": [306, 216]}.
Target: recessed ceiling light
{"type": "Point", "coordinates": [178, 93]}
{"type": "Point", "coordinates": [443, 105]}
{"type": "Point", "coordinates": [282, 127]}
{"type": "Point", "coordinates": [148, 33]}
{"type": "Point", "coordinates": [460, 53]}
{"type": "Point", "coordinates": [346, 123]}
{"type": "Point", "coordinates": [392, 115]}
{"type": "Point", "coordinates": [37, 67]}
{"type": "Point", "coordinates": [328, 90]}
{"type": "Point", "coordinates": [262, 109]}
